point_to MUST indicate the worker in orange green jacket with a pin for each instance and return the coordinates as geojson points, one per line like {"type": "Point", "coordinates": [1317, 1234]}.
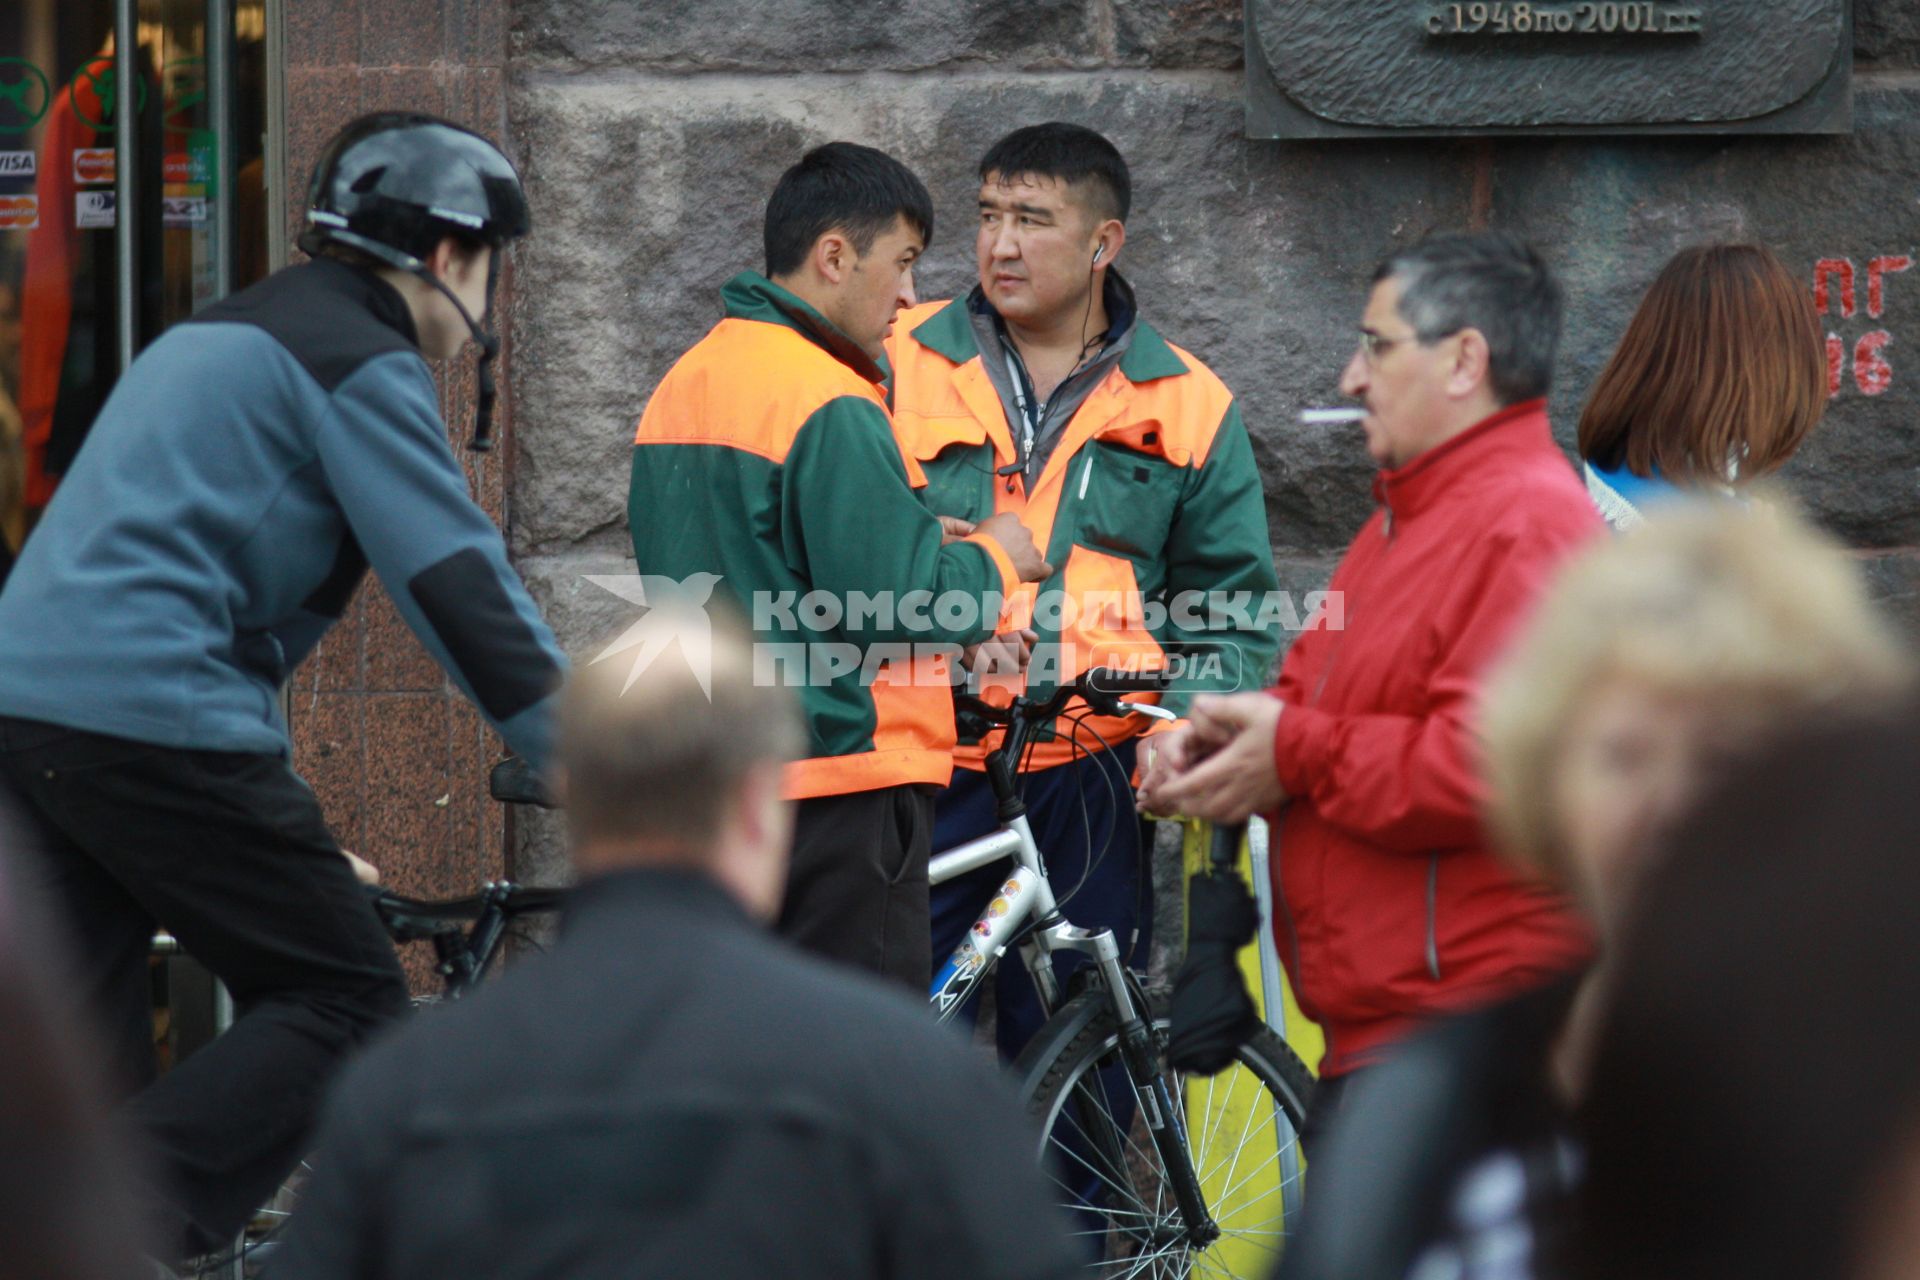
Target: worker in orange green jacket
{"type": "Point", "coordinates": [1043, 394]}
{"type": "Point", "coordinates": [765, 469]}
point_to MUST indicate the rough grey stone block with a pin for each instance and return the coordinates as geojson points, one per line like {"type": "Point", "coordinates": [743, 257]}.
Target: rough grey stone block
{"type": "Point", "coordinates": [1887, 31]}
{"type": "Point", "coordinates": [1893, 578]}
{"type": "Point", "coordinates": [1179, 33]}
{"type": "Point", "coordinates": [585, 617]}
{"type": "Point", "coordinates": [802, 35]}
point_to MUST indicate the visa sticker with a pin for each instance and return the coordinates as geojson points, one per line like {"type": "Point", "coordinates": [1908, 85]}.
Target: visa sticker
{"type": "Point", "coordinates": [17, 164]}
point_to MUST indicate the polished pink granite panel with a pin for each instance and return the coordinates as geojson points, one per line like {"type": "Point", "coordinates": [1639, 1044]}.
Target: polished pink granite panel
{"type": "Point", "coordinates": [397, 756]}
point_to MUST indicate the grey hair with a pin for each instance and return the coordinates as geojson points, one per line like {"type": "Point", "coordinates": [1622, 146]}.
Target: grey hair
{"type": "Point", "coordinates": [1495, 283]}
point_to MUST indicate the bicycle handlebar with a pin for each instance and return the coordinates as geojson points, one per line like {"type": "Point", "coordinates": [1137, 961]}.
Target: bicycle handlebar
{"type": "Point", "coordinates": [1101, 688]}
{"type": "Point", "coordinates": [412, 918]}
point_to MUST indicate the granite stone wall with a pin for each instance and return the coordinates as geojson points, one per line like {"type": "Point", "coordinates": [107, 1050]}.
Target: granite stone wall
{"type": "Point", "coordinates": [651, 133]}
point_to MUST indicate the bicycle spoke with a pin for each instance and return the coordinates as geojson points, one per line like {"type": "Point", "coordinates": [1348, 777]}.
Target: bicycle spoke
{"type": "Point", "coordinates": [1239, 1152]}
{"type": "Point", "coordinates": [1273, 1190]}
{"type": "Point", "coordinates": [1129, 1192]}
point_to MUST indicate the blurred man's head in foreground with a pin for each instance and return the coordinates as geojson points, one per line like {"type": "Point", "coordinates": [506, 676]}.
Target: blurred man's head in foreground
{"type": "Point", "coordinates": [671, 755]}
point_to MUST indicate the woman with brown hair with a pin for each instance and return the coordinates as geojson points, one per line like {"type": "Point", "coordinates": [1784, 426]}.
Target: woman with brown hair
{"type": "Point", "coordinates": [1720, 376]}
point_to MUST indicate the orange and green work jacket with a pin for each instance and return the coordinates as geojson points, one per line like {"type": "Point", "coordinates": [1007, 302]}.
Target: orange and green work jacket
{"type": "Point", "coordinates": [766, 457]}
{"type": "Point", "coordinates": [1149, 508]}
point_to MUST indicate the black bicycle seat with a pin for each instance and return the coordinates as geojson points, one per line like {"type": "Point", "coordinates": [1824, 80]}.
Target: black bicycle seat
{"type": "Point", "coordinates": [513, 781]}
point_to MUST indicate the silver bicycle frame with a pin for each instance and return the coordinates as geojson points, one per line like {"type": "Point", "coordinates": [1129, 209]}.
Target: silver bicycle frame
{"type": "Point", "coordinates": [986, 942]}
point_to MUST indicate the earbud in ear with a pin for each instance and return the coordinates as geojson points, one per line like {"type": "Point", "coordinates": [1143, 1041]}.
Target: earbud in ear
{"type": "Point", "coordinates": [1099, 252]}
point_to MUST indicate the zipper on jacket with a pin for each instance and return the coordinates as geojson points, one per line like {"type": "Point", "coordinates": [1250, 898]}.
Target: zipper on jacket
{"type": "Point", "coordinates": [1433, 916]}
{"type": "Point", "coordinates": [1275, 852]}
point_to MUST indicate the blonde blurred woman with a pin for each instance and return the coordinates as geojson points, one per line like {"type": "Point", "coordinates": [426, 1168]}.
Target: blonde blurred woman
{"type": "Point", "coordinates": [1657, 657]}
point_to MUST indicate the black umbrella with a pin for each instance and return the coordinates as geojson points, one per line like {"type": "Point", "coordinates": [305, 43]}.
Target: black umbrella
{"type": "Point", "coordinates": [1212, 1013]}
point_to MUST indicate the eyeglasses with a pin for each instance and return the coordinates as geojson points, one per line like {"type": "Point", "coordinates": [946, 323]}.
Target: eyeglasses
{"type": "Point", "coordinates": [1377, 345]}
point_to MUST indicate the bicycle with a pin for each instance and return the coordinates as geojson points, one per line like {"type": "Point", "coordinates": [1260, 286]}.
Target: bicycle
{"type": "Point", "coordinates": [1152, 1194]}
{"type": "Point", "coordinates": [467, 935]}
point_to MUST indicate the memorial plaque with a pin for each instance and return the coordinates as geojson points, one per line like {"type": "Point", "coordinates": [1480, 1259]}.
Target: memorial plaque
{"type": "Point", "coordinates": [1350, 68]}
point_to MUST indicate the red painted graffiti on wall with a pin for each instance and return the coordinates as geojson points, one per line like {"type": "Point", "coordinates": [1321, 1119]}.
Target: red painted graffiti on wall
{"type": "Point", "coordinates": [1835, 294]}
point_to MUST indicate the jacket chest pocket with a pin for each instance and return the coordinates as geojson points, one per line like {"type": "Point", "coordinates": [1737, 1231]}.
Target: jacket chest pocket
{"type": "Point", "coordinates": [1124, 499]}
{"type": "Point", "coordinates": [959, 483]}
{"type": "Point", "coordinates": [954, 456]}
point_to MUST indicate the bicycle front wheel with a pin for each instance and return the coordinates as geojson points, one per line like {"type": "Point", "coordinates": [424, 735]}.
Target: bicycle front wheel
{"type": "Point", "coordinates": [1242, 1131]}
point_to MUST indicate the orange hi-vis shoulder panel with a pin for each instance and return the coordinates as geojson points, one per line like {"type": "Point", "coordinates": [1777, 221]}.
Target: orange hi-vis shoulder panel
{"type": "Point", "coordinates": [748, 385]}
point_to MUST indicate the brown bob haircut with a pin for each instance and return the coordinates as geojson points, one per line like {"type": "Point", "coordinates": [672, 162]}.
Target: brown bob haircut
{"type": "Point", "coordinates": [1720, 375]}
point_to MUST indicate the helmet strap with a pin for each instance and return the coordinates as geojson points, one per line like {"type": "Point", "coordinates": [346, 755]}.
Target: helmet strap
{"type": "Point", "coordinates": [486, 340]}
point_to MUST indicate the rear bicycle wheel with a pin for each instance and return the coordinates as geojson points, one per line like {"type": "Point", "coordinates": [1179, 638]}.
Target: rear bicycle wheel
{"type": "Point", "coordinates": [1242, 1134]}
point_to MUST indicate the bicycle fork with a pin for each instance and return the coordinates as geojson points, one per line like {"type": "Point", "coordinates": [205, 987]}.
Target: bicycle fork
{"type": "Point", "coordinates": [1158, 1107]}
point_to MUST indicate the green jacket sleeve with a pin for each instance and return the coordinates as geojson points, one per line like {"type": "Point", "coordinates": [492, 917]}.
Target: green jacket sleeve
{"type": "Point", "coordinates": [852, 527]}
{"type": "Point", "coordinates": [1219, 563]}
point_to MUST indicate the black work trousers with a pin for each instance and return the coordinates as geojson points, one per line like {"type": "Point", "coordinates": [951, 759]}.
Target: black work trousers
{"type": "Point", "coordinates": [857, 891]}
{"type": "Point", "coordinates": [229, 853]}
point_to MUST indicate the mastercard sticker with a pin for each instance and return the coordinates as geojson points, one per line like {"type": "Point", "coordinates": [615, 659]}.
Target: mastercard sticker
{"type": "Point", "coordinates": [92, 165]}
{"type": "Point", "coordinates": [19, 213]}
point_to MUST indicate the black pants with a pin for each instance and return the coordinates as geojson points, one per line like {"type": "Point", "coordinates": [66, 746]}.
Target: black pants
{"type": "Point", "coordinates": [229, 853]}
{"type": "Point", "coordinates": [858, 888]}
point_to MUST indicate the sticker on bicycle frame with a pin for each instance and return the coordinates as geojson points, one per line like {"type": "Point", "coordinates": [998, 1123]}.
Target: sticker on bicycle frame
{"type": "Point", "coordinates": [997, 908]}
{"type": "Point", "coordinates": [981, 928]}
{"type": "Point", "coordinates": [17, 164]}
{"type": "Point", "coordinates": [92, 165]}
{"type": "Point", "coordinates": [93, 209]}
{"type": "Point", "coordinates": [1010, 888]}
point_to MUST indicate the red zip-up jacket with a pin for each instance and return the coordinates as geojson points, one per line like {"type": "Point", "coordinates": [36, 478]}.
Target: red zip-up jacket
{"type": "Point", "coordinates": [1391, 905]}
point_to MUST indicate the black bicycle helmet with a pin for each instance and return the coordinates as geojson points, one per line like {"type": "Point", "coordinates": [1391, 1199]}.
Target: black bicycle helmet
{"type": "Point", "coordinates": [393, 184]}
{"type": "Point", "coordinates": [401, 180]}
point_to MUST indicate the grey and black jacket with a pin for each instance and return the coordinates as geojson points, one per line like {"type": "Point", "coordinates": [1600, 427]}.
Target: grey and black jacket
{"type": "Point", "coordinates": [244, 473]}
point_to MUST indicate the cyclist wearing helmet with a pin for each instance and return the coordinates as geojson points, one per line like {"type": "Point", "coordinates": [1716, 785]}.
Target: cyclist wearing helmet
{"type": "Point", "coordinates": [246, 470]}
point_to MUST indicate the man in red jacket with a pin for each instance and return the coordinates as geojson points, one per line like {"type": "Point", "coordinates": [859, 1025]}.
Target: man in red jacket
{"type": "Point", "coordinates": [1392, 907]}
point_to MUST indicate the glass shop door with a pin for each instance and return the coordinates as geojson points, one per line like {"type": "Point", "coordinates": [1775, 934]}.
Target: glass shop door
{"type": "Point", "coordinates": [154, 108]}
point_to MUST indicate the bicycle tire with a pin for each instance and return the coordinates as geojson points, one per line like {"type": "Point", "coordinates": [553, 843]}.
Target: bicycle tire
{"type": "Point", "coordinates": [253, 1248]}
{"type": "Point", "coordinates": [1133, 1226]}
